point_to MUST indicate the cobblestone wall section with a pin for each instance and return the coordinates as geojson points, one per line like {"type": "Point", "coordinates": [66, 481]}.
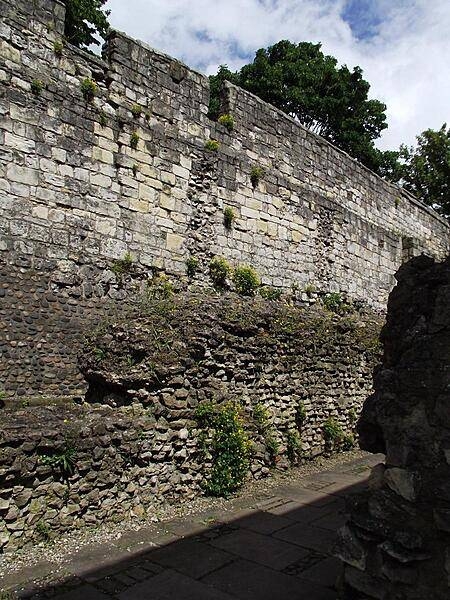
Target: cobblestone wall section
{"type": "Point", "coordinates": [136, 442]}
{"type": "Point", "coordinates": [84, 182]}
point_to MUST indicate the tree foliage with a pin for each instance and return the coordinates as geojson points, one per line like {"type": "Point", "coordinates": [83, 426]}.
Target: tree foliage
{"type": "Point", "coordinates": [425, 169]}
{"type": "Point", "coordinates": [84, 20]}
{"type": "Point", "coordinates": [308, 85]}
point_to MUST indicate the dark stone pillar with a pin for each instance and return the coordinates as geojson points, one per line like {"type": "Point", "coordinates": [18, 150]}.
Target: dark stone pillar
{"type": "Point", "coordinates": [396, 544]}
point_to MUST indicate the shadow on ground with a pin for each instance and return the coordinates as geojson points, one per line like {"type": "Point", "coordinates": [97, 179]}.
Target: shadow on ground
{"type": "Point", "coordinates": [280, 548]}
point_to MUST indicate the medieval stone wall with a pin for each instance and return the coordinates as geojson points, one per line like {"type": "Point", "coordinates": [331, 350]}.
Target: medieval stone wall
{"type": "Point", "coordinates": [297, 377]}
{"type": "Point", "coordinates": [396, 543]}
{"type": "Point", "coordinates": [76, 195]}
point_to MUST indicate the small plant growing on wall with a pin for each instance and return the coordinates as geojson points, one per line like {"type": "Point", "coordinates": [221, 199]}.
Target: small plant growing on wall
{"type": "Point", "coordinates": [310, 289]}
{"type": "Point", "coordinates": [332, 432]}
{"type": "Point", "coordinates": [135, 169]}
{"type": "Point", "coordinates": [300, 414]}
{"type": "Point", "coordinates": [134, 140]}
{"type": "Point", "coordinates": [228, 217]}
{"type": "Point", "coordinates": [88, 89]}
{"type": "Point", "coordinates": [136, 111]}
{"type": "Point", "coordinates": [270, 293]}
{"type": "Point", "coordinates": [333, 302]}
{"type": "Point", "coordinates": [102, 118]}
{"type": "Point", "coordinates": [293, 446]}
{"type": "Point", "coordinates": [227, 121]}
{"type": "Point", "coordinates": [256, 174]}
{"type": "Point", "coordinates": [58, 48]}
{"type": "Point", "coordinates": [226, 444]}
{"type": "Point", "coordinates": [212, 145]}
{"type": "Point", "coordinates": [246, 280]}
{"type": "Point", "coordinates": [37, 86]}
{"type": "Point", "coordinates": [64, 461]}
{"type": "Point", "coordinates": [43, 530]}
{"type": "Point", "coordinates": [192, 266]}
{"type": "Point", "coordinates": [121, 266]}
{"type": "Point", "coordinates": [219, 271]}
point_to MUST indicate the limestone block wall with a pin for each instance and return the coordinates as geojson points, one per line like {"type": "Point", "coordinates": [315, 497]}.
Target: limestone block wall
{"type": "Point", "coordinates": [83, 182]}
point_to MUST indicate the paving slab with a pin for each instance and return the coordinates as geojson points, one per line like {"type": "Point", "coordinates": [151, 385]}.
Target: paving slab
{"type": "Point", "coordinates": [274, 546]}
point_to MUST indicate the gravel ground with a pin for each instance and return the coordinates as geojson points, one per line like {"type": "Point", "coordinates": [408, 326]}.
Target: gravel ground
{"type": "Point", "coordinates": [59, 550]}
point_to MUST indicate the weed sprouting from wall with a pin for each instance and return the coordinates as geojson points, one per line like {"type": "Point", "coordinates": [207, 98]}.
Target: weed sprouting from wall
{"type": "Point", "coordinates": [134, 140]}
{"type": "Point", "coordinates": [37, 86]}
{"type": "Point", "coordinates": [192, 266]}
{"type": "Point", "coordinates": [225, 443]}
{"type": "Point", "coordinates": [256, 174]}
{"type": "Point", "coordinates": [219, 271]}
{"type": "Point", "coordinates": [227, 121]}
{"type": "Point", "coordinates": [228, 217]}
{"type": "Point", "coordinates": [88, 89]}
{"type": "Point", "coordinates": [246, 280]}
{"type": "Point", "coordinates": [212, 145]}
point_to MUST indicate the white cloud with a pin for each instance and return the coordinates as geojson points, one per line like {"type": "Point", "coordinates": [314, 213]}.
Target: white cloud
{"type": "Point", "coordinates": [406, 62]}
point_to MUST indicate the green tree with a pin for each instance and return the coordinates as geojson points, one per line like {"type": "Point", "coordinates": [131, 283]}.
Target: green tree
{"type": "Point", "coordinates": [215, 86]}
{"type": "Point", "coordinates": [425, 170]}
{"type": "Point", "coordinates": [85, 19]}
{"type": "Point", "coordinates": [308, 85]}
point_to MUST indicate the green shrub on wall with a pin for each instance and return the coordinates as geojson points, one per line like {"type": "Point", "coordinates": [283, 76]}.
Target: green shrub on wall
{"type": "Point", "coordinates": [219, 271]}
{"type": "Point", "coordinates": [228, 217]}
{"type": "Point", "coordinates": [88, 89]}
{"type": "Point", "coordinates": [246, 280]}
{"type": "Point", "coordinates": [226, 444]}
{"type": "Point", "coordinates": [227, 121]}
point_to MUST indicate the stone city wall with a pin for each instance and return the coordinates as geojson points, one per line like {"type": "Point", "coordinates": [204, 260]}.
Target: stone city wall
{"type": "Point", "coordinates": [296, 377]}
{"type": "Point", "coordinates": [84, 182]}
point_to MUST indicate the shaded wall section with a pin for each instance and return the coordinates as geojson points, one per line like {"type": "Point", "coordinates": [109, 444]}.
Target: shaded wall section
{"type": "Point", "coordinates": [397, 541]}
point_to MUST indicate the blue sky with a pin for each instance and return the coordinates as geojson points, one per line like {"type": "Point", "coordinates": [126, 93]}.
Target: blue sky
{"type": "Point", "coordinates": [403, 46]}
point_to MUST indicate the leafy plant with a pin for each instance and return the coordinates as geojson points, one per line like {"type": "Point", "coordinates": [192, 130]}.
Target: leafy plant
{"type": "Point", "coordinates": [62, 460]}
{"type": "Point", "coordinates": [352, 415]}
{"type": "Point", "coordinates": [333, 302]}
{"type": "Point", "coordinates": [310, 289]}
{"type": "Point", "coordinates": [160, 288]}
{"type": "Point", "coordinates": [85, 21]}
{"type": "Point", "coordinates": [102, 119]}
{"type": "Point", "coordinates": [192, 266]}
{"type": "Point", "coordinates": [332, 431]}
{"type": "Point", "coordinates": [261, 417]}
{"type": "Point", "coordinates": [88, 89]}
{"type": "Point", "coordinates": [43, 530]}
{"type": "Point", "coordinates": [99, 353]}
{"type": "Point", "coordinates": [272, 447]}
{"type": "Point", "coordinates": [228, 447]}
{"type": "Point", "coordinates": [136, 111]}
{"type": "Point", "coordinates": [135, 169]}
{"type": "Point", "coordinates": [270, 293]}
{"type": "Point", "coordinates": [212, 145]}
{"type": "Point", "coordinates": [256, 174]}
{"type": "Point", "coordinates": [37, 86]}
{"type": "Point", "coordinates": [121, 266]}
{"type": "Point", "coordinates": [134, 140]}
{"type": "Point", "coordinates": [219, 271]}
{"type": "Point", "coordinates": [227, 121]}
{"type": "Point", "coordinates": [293, 446]}
{"type": "Point", "coordinates": [348, 442]}
{"type": "Point", "coordinates": [228, 217]}
{"type": "Point", "coordinates": [246, 280]}
{"type": "Point", "coordinates": [58, 47]}
{"type": "Point", "coordinates": [300, 414]}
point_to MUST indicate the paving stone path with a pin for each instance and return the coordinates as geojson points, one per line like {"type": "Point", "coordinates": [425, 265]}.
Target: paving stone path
{"type": "Point", "coordinates": [274, 548]}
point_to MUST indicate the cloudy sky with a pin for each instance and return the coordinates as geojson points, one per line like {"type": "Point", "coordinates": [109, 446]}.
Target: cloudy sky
{"type": "Point", "coordinates": [403, 46]}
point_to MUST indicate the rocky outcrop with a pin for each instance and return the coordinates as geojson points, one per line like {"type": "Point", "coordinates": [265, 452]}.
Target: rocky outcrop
{"type": "Point", "coordinates": [396, 544]}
